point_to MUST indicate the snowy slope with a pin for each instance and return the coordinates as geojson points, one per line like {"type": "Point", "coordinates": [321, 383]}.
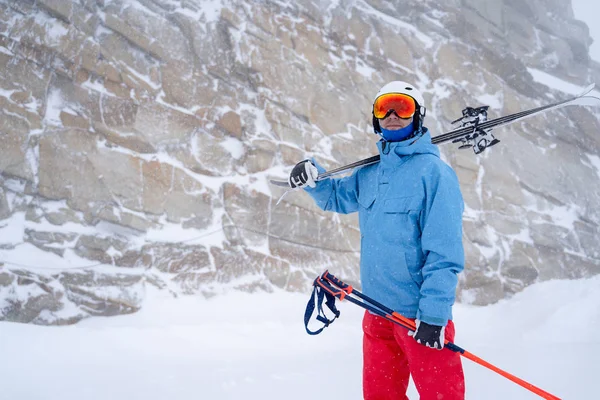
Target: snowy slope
{"type": "Point", "coordinates": [254, 347]}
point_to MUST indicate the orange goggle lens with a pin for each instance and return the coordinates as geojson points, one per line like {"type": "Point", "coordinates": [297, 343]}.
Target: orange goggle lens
{"type": "Point", "coordinates": [403, 105]}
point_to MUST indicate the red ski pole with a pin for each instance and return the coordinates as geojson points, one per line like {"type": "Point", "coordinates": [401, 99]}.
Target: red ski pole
{"type": "Point", "coordinates": [345, 291]}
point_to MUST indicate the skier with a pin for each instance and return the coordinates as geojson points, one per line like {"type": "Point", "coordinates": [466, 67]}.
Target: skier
{"type": "Point", "coordinates": [410, 215]}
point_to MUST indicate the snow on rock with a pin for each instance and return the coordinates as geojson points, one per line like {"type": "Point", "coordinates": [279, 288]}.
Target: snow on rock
{"type": "Point", "coordinates": [138, 138]}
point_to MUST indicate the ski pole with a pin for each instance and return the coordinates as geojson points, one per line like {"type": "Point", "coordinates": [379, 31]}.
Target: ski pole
{"type": "Point", "coordinates": [326, 280]}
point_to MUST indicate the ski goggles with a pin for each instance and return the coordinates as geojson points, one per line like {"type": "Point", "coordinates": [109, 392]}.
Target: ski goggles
{"type": "Point", "coordinates": [402, 104]}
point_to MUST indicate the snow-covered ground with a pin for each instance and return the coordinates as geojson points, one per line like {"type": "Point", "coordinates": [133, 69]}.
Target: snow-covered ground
{"type": "Point", "coordinates": [255, 347]}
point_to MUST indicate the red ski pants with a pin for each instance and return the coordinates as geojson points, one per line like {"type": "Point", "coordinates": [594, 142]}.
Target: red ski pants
{"type": "Point", "coordinates": [390, 356]}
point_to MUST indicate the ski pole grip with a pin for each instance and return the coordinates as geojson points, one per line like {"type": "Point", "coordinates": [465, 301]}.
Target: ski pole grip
{"type": "Point", "coordinates": [454, 348]}
{"type": "Point", "coordinates": [323, 284]}
{"type": "Point", "coordinates": [337, 282]}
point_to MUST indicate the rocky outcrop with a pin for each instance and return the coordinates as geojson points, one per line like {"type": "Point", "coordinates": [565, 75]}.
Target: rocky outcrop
{"type": "Point", "coordinates": [138, 137]}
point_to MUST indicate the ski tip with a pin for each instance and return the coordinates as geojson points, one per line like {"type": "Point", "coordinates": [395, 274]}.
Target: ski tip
{"type": "Point", "coordinates": [588, 89]}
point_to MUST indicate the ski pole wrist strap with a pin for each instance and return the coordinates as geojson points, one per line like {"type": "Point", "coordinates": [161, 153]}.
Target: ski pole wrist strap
{"type": "Point", "coordinates": [319, 294]}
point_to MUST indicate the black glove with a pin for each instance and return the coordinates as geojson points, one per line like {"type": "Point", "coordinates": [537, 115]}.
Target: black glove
{"type": "Point", "coordinates": [429, 335]}
{"type": "Point", "coordinates": [303, 174]}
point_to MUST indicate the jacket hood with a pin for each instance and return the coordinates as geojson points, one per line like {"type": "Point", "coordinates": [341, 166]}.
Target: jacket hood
{"type": "Point", "coordinates": [415, 145]}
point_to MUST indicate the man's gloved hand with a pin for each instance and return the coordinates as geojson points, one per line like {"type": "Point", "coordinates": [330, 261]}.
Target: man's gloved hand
{"type": "Point", "coordinates": [303, 174]}
{"type": "Point", "coordinates": [429, 335]}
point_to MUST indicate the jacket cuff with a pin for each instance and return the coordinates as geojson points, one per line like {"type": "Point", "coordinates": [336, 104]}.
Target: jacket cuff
{"type": "Point", "coordinates": [432, 320]}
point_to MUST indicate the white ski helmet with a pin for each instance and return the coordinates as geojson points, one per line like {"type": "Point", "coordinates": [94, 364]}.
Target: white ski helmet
{"type": "Point", "coordinates": [410, 90]}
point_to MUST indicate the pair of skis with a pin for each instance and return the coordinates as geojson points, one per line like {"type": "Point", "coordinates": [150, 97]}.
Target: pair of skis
{"type": "Point", "coordinates": [474, 132]}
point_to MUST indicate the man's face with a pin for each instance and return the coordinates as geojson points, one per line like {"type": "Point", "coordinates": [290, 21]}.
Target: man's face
{"type": "Point", "coordinates": [392, 122]}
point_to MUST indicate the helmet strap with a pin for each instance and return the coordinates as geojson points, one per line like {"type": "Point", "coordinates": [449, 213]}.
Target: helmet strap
{"type": "Point", "coordinates": [376, 126]}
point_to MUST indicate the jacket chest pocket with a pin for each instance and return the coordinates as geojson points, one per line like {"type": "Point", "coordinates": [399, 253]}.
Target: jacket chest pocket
{"type": "Point", "coordinates": [365, 209]}
{"type": "Point", "coordinates": [400, 220]}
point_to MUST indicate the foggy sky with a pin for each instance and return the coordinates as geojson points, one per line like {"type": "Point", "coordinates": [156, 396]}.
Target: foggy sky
{"type": "Point", "coordinates": [588, 11]}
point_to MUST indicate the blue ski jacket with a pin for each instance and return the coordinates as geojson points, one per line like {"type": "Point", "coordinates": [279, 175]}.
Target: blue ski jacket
{"type": "Point", "coordinates": [410, 213]}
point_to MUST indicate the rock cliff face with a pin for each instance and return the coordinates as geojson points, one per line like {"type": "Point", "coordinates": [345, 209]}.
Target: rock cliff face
{"type": "Point", "coordinates": [138, 137]}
